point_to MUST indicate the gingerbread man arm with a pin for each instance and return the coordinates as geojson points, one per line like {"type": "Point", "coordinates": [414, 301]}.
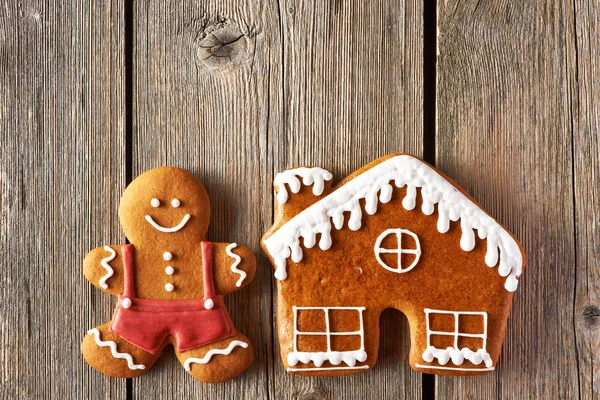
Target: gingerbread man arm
{"type": "Point", "coordinates": [103, 267]}
{"type": "Point", "coordinates": [234, 267]}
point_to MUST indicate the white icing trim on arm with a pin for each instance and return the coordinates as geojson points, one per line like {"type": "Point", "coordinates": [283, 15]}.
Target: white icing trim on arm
{"type": "Point", "coordinates": [113, 350]}
{"type": "Point", "coordinates": [374, 185]}
{"type": "Point", "coordinates": [237, 261]}
{"type": "Point", "coordinates": [109, 271]}
{"type": "Point", "coordinates": [168, 230]}
{"type": "Point", "coordinates": [310, 176]}
{"type": "Point", "coordinates": [208, 356]}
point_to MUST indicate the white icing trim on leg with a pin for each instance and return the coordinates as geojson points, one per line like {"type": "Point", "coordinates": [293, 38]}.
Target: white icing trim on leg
{"type": "Point", "coordinates": [234, 267]}
{"type": "Point", "coordinates": [208, 356]}
{"type": "Point", "coordinates": [109, 271]}
{"type": "Point", "coordinates": [113, 350]}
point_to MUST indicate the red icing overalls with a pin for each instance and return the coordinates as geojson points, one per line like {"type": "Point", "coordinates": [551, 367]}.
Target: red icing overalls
{"type": "Point", "coordinates": [147, 323]}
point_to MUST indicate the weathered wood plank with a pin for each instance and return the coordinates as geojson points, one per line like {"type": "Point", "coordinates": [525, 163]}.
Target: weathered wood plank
{"type": "Point", "coordinates": [505, 77]}
{"type": "Point", "coordinates": [61, 172]}
{"type": "Point", "coordinates": [203, 104]}
{"type": "Point", "coordinates": [352, 92]}
{"type": "Point", "coordinates": [586, 151]}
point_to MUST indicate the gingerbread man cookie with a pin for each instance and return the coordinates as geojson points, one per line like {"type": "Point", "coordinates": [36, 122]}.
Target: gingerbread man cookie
{"type": "Point", "coordinates": [170, 284]}
{"type": "Point", "coordinates": [394, 234]}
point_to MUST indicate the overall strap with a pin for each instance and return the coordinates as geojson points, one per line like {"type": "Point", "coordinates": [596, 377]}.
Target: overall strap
{"type": "Point", "coordinates": [128, 291]}
{"type": "Point", "coordinates": [207, 271]}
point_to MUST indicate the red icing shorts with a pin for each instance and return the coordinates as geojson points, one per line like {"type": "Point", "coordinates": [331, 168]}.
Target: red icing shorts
{"type": "Point", "coordinates": [147, 323]}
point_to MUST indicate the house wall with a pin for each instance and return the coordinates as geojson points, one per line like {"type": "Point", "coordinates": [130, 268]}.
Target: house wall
{"type": "Point", "coordinates": [445, 278]}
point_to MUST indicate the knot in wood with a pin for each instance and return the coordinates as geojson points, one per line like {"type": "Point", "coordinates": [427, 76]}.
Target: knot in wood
{"type": "Point", "coordinates": [591, 316]}
{"type": "Point", "coordinates": [224, 47]}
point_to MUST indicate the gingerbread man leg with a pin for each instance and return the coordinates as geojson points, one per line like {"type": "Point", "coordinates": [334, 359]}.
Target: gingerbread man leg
{"type": "Point", "coordinates": [220, 361]}
{"type": "Point", "coordinates": [112, 355]}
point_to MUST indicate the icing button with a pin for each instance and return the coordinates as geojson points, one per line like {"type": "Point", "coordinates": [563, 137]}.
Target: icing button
{"type": "Point", "coordinates": [208, 304]}
{"type": "Point", "coordinates": [126, 303]}
{"type": "Point", "coordinates": [167, 255]}
{"type": "Point", "coordinates": [169, 287]}
{"type": "Point", "coordinates": [169, 270]}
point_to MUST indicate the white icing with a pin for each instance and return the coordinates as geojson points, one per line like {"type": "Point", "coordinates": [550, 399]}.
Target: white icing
{"type": "Point", "coordinates": [169, 270]}
{"type": "Point", "coordinates": [177, 227]}
{"type": "Point", "coordinates": [407, 171]}
{"type": "Point", "coordinates": [234, 267]}
{"type": "Point", "coordinates": [208, 356]}
{"type": "Point", "coordinates": [126, 303]}
{"type": "Point", "coordinates": [458, 356]}
{"type": "Point", "coordinates": [109, 271]}
{"type": "Point", "coordinates": [113, 350]}
{"type": "Point", "coordinates": [399, 250]}
{"type": "Point", "coordinates": [327, 368]}
{"type": "Point", "coordinates": [169, 287]}
{"type": "Point", "coordinates": [167, 256]}
{"type": "Point", "coordinates": [334, 357]}
{"type": "Point", "coordinates": [453, 368]}
{"type": "Point", "coordinates": [209, 304]}
{"type": "Point", "coordinates": [155, 203]}
{"type": "Point", "coordinates": [175, 203]}
{"type": "Point", "coordinates": [310, 176]}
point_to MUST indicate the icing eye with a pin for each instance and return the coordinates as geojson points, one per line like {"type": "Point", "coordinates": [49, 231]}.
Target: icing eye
{"type": "Point", "coordinates": [175, 203]}
{"type": "Point", "coordinates": [155, 203]}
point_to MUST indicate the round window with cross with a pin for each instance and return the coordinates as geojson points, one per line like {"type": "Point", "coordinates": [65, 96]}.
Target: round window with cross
{"type": "Point", "coordinates": [396, 248]}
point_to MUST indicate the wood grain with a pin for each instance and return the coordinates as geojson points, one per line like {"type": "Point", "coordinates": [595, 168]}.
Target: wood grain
{"type": "Point", "coordinates": [61, 172]}
{"type": "Point", "coordinates": [352, 92]}
{"type": "Point", "coordinates": [586, 157]}
{"type": "Point", "coordinates": [202, 104]}
{"type": "Point", "coordinates": [505, 81]}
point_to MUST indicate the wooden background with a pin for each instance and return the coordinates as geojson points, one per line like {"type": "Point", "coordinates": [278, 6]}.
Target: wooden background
{"type": "Point", "coordinates": [500, 95]}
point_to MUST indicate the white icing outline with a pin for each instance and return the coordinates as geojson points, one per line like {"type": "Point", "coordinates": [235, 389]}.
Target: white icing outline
{"type": "Point", "coordinates": [208, 356]}
{"type": "Point", "coordinates": [156, 226]}
{"type": "Point", "coordinates": [334, 357]}
{"type": "Point", "coordinates": [310, 176]}
{"type": "Point", "coordinates": [113, 350]}
{"type": "Point", "coordinates": [326, 368]}
{"type": "Point", "coordinates": [407, 171]}
{"type": "Point", "coordinates": [454, 354]}
{"type": "Point", "coordinates": [109, 271]}
{"type": "Point", "coordinates": [398, 231]}
{"type": "Point", "coordinates": [237, 261]}
{"type": "Point", "coordinates": [454, 368]}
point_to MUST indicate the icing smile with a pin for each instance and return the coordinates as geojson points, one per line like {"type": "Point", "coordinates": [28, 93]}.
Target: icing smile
{"type": "Point", "coordinates": [185, 219]}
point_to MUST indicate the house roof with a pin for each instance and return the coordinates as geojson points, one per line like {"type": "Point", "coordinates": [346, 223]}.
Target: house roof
{"type": "Point", "coordinates": [374, 185]}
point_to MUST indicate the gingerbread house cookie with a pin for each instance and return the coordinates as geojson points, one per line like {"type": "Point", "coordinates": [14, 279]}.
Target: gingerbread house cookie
{"type": "Point", "coordinates": [170, 284]}
{"type": "Point", "coordinates": [394, 234]}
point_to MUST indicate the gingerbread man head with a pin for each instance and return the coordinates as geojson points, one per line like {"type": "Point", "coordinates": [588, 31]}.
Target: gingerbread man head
{"type": "Point", "coordinates": [160, 203]}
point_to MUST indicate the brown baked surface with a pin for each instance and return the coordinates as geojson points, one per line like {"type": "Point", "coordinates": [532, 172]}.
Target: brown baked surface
{"type": "Point", "coordinates": [445, 278]}
{"type": "Point", "coordinates": [150, 278]}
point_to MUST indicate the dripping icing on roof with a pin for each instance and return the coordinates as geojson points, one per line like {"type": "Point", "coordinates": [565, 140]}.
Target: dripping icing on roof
{"type": "Point", "coordinates": [310, 176]}
{"type": "Point", "coordinates": [374, 185]}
